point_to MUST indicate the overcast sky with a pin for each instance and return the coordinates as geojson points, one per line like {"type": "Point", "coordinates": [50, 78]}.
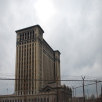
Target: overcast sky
{"type": "Point", "coordinates": [74, 27]}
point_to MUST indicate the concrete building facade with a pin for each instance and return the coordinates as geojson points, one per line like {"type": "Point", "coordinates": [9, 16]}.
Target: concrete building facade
{"type": "Point", "coordinates": [36, 62]}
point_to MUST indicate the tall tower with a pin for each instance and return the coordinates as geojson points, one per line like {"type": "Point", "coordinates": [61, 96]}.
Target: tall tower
{"type": "Point", "coordinates": [35, 60]}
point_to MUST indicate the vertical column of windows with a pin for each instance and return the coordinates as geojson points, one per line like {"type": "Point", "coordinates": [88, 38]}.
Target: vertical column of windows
{"type": "Point", "coordinates": [40, 53]}
{"type": "Point", "coordinates": [23, 69]}
{"type": "Point", "coordinates": [27, 66]}
{"type": "Point", "coordinates": [50, 72]}
{"type": "Point", "coordinates": [20, 77]}
{"type": "Point", "coordinates": [20, 68]}
{"type": "Point", "coordinates": [50, 69]}
{"type": "Point", "coordinates": [32, 67]}
{"type": "Point", "coordinates": [45, 68]}
{"type": "Point", "coordinates": [17, 68]}
{"type": "Point", "coordinates": [26, 63]}
{"type": "Point", "coordinates": [35, 68]}
{"type": "Point", "coordinates": [19, 73]}
{"type": "Point", "coordinates": [53, 68]}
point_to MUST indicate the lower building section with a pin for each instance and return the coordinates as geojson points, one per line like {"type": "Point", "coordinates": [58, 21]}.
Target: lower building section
{"type": "Point", "coordinates": [29, 98]}
{"type": "Point", "coordinates": [49, 93]}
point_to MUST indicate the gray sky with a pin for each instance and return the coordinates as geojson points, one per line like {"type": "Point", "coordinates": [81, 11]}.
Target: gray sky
{"type": "Point", "coordinates": [73, 27]}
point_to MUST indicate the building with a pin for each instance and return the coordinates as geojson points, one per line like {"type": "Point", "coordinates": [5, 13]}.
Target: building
{"type": "Point", "coordinates": [35, 61]}
{"type": "Point", "coordinates": [37, 70]}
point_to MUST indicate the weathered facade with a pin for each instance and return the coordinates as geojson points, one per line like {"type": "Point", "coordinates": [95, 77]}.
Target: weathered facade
{"type": "Point", "coordinates": [50, 93]}
{"type": "Point", "coordinates": [37, 70]}
{"type": "Point", "coordinates": [35, 60]}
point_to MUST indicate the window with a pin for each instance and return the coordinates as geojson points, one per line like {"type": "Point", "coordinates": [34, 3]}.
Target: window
{"type": "Point", "coordinates": [41, 100]}
{"type": "Point", "coordinates": [44, 99]}
{"type": "Point", "coordinates": [35, 99]}
{"type": "Point", "coordinates": [47, 99]}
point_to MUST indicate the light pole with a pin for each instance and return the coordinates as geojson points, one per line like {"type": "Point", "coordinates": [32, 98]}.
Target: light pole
{"type": "Point", "coordinates": [96, 89]}
{"type": "Point", "coordinates": [73, 94]}
{"type": "Point", "coordinates": [87, 94]}
{"type": "Point", "coordinates": [83, 88]}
